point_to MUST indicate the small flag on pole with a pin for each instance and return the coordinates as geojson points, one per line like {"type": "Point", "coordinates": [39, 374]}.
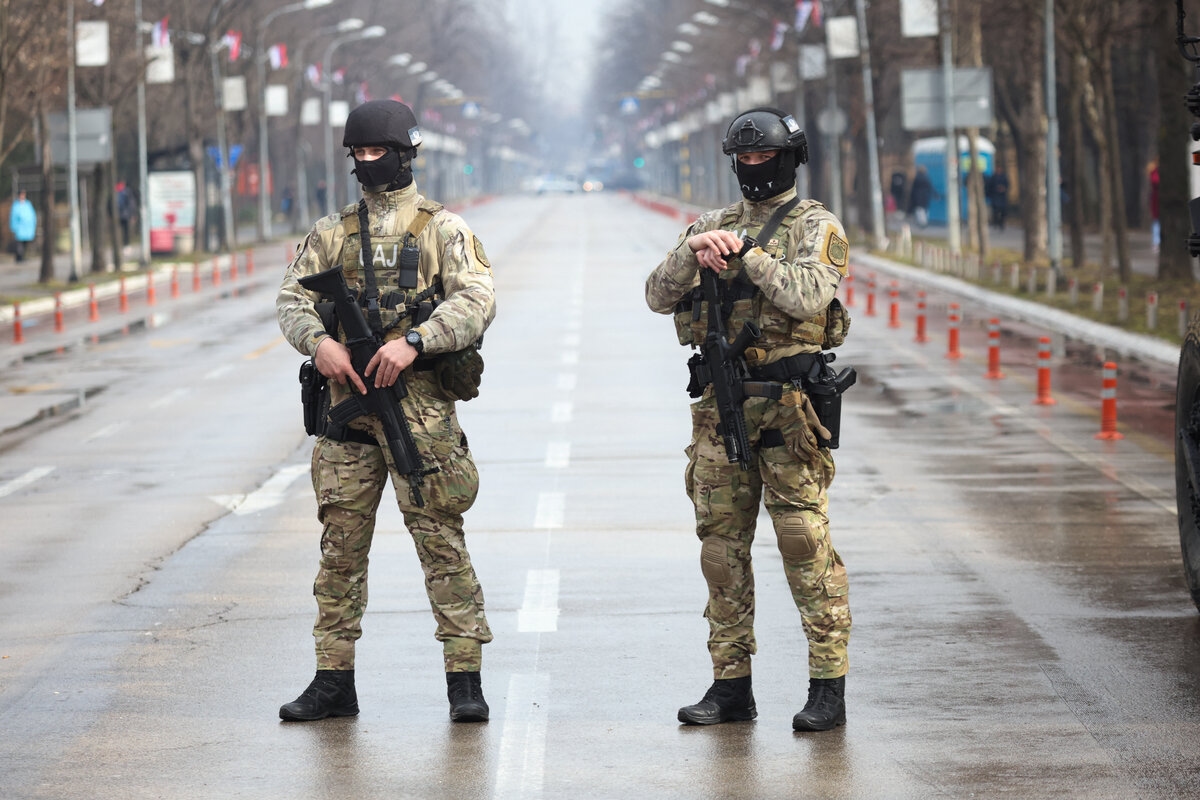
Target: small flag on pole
{"type": "Point", "coordinates": [278, 55]}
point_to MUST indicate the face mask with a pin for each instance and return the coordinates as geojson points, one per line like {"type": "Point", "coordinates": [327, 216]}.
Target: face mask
{"type": "Point", "coordinates": [383, 174]}
{"type": "Point", "coordinates": [768, 179]}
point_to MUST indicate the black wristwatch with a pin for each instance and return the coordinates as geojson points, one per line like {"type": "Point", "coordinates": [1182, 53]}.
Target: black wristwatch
{"type": "Point", "coordinates": [413, 337]}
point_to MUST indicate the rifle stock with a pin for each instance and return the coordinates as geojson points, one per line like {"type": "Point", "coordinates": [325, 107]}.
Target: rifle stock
{"type": "Point", "coordinates": [383, 403]}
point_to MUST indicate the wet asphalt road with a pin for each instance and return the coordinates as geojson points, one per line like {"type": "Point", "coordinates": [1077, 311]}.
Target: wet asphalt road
{"type": "Point", "coordinates": [1021, 623]}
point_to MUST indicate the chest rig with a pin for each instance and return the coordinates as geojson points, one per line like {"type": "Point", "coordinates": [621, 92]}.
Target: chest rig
{"type": "Point", "coordinates": [391, 287]}
{"type": "Point", "coordinates": [742, 301]}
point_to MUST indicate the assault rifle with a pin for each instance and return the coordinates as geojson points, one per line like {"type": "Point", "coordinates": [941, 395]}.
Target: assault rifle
{"type": "Point", "coordinates": [724, 364]}
{"type": "Point", "coordinates": [383, 403]}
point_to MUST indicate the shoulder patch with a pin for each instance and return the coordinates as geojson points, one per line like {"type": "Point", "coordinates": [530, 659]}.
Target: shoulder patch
{"type": "Point", "coordinates": [479, 254]}
{"type": "Point", "coordinates": [837, 249]}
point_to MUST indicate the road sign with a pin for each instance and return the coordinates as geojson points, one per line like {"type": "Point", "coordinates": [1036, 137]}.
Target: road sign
{"type": "Point", "coordinates": [93, 136]}
{"type": "Point", "coordinates": [921, 98]}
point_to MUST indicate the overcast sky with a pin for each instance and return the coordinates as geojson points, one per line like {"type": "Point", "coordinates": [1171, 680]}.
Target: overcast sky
{"type": "Point", "coordinates": [565, 31]}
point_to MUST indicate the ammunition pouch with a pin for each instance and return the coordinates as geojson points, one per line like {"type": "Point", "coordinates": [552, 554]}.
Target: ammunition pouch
{"type": "Point", "coordinates": [314, 398]}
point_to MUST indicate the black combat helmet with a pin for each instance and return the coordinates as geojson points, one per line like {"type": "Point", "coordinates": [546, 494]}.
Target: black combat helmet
{"type": "Point", "coordinates": [382, 123]}
{"type": "Point", "coordinates": [762, 129]}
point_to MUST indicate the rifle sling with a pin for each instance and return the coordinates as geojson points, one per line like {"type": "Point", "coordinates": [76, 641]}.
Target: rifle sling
{"type": "Point", "coordinates": [768, 230]}
{"type": "Point", "coordinates": [370, 298]}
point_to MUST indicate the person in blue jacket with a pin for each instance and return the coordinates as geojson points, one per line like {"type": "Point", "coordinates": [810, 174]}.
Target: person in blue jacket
{"type": "Point", "coordinates": [22, 221]}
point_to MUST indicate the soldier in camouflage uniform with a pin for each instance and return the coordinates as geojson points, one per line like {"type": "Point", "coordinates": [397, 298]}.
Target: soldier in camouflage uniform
{"type": "Point", "coordinates": [785, 282]}
{"type": "Point", "coordinates": [431, 322]}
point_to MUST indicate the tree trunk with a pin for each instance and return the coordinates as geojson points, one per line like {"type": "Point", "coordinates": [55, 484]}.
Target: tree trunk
{"type": "Point", "coordinates": [95, 212]}
{"type": "Point", "coordinates": [1175, 77]}
{"type": "Point", "coordinates": [1075, 162]}
{"type": "Point", "coordinates": [971, 54]}
{"type": "Point", "coordinates": [1117, 220]}
{"type": "Point", "coordinates": [1095, 118]}
{"type": "Point", "coordinates": [46, 275]}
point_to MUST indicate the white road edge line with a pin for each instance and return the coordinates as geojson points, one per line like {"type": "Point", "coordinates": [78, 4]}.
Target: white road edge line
{"type": "Point", "coordinates": [21, 481]}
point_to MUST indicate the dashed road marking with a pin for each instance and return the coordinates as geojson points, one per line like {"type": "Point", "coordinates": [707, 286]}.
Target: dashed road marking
{"type": "Point", "coordinates": [21, 481]}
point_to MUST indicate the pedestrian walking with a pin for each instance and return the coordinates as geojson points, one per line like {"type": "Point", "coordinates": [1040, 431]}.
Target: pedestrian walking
{"type": "Point", "coordinates": [919, 197]}
{"type": "Point", "coordinates": [778, 260]}
{"type": "Point", "coordinates": [425, 288]}
{"type": "Point", "coordinates": [22, 223]}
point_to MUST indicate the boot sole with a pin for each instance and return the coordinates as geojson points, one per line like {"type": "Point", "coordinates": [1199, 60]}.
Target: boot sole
{"type": "Point", "coordinates": [288, 716]}
{"type": "Point", "coordinates": [744, 716]}
{"type": "Point", "coordinates": [807, 727]}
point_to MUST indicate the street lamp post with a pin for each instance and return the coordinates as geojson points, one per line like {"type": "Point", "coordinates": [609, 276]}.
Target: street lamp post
{"type": "Point", "coordinates": [372, 32]}
{"type": "Point", "coordinates": [260, 59]}
{"type": "Point", "coordinates": [302, 200]}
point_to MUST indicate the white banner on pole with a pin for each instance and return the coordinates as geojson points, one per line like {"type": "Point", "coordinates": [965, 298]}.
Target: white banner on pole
{"type": "Point", "coordinates": [310, 111]}
{"type": "Point", "coordinates": [841, 37]}
{"type": "Point", "coordinates": [338, 111]}
{"type": "Point", "coordinates": [277, 101]}
{"type": "Point", "coordinates": [918, 18]}
{"type": "Point", "coordinates": [812, 61]}
{"type": "Point", "coordinates": [91, 43]}
{"type": "Point", "coordinates": [160, 64]}
{"type": "Point", "coordinates": [233, 93]}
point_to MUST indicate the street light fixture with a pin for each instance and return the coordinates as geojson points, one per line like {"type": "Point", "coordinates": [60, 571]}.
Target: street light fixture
{"type": "Point", "coordinates": [373, 32]}
{"type": "Point", "coordinates": [260, 59]}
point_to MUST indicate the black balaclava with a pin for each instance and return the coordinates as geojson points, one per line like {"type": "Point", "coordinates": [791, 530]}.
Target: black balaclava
{"type": "Point", "coordinates": [386, 174]}
{"type": "Point", "coordinates": [768, 179]}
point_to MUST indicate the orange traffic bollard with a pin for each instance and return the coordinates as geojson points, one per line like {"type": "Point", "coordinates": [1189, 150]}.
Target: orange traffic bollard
{"type": "Point", "coordinates": [849, 291]}
{"type": "Point", "coordinates": [994, 350]}
{"type": "Point", "coordinates": [18, 328]}
{"type": "Point", "coordinates": [124, 298]}
{"type": "Point", "coordinates": [921, 336]}
{"type": "Point", "coordinates": [871, 296]}
{"type": "Point", "coordinates": [151, 297]}
{"type": "Point", "coordinates": [953, 320]}
{"type": "Point", "coordinates": [58, 313]}
{"type": "Point", "coordinates": [1108, 404]}
{"type": "Point", "coordinates": [93, 306]}
{"type": "Point", "coordinates": [195, 276]}
{"type": "Point", "coordinates": [175, 281]}
{"type": "Point", "coordinates": [233, 266]}
{"type": "Point", "coordinates": [216, 279]}
{"type": "Point", "coordinates": [894, 307]}
{"type": "Point", "coordinates": [1043, 373]}
{"type": "Point", "coordinates": [249, 262]}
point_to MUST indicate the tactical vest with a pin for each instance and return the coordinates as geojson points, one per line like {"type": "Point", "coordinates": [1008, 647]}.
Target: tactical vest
{"type": "Point", "coordinates": [743, 301]}
{"type": "Point", "coordinates": [400, 306]}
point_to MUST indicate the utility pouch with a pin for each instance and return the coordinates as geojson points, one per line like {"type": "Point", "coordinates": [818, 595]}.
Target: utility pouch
{"type": "Point", "coordinates": [698, 375]}
{"type": "Point", "coordinates": [837, 324]}
{"type": "Point", "coordinates": [314, 397]}
{"type": "Point", "coordinates": [825, 389]}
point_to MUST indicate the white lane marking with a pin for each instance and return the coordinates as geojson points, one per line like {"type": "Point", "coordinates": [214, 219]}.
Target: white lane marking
{"type": "Point", "coordinates": [107, 430]}
{"type": "Point", "coordinates": [571, 340]}
{"type": "Point", "coordinates": [558, 455]}
{"type": "Point", "coordinates": [269, 495]}
{"type": "Point", "coordinates": [550, 508]}
{"type": "Point", "coordinates": [567, 381]}
{"type": "Point", "coordinates": [218, 372]}
{"type": "Point", "coordinates": [570, 357]}
{"type": "Point", "coordinates": [21, 481]}
{"type": "Point", "coordinates": [170, 397]}
{"type": "Point", "coordinates": [521, 770]}
{"type": "Point", "coordinates": [539, 611]}
{"type": "Point", "coordinates": [562, 412]}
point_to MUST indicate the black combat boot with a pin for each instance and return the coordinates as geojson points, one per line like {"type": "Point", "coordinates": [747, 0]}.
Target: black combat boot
{"type": "Point", "coordinates": [331, 694]}
{"type": "Point", "coordinates": [466, 697]}
{"type": "Point", "coordinates": [826, 706]}
{"type": "Point", "coordinates": [726, 700]}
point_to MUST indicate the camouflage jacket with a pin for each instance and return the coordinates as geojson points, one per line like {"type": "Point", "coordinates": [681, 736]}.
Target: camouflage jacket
{"type": "Point", "coordinates": [797, 274]}
{"type": "Point", "coordinates": [450, 253]}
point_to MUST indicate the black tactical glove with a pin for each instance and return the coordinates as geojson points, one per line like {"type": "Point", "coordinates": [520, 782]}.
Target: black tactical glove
{"type": "Point", "coordinates": [460, 373]}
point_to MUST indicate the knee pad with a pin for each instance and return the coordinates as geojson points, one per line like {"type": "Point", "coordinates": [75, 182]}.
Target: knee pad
{"type": "Point", "coordinates": [714, 563]}
{"type": "Point", "coordinates": [797, 539]}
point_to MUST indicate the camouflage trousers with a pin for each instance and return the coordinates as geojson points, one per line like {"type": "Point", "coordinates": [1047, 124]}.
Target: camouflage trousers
{"type": "Point", "coordinates": [349, 479]}
{"type": "Point", "coordinates": [791, 479]}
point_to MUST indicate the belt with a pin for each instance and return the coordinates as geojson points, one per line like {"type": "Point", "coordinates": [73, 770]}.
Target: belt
{"type": "Point", "coordinates": [788, 369]}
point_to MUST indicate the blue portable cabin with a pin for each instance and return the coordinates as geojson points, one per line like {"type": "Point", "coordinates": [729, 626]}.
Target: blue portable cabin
{"type": "Point", "coordinates": [931, 154]}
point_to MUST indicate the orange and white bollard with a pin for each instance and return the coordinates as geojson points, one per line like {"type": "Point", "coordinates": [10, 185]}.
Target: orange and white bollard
{"type": "Point", "coordinates": [249, 262]}
{"type": "Point", "coordinates": [871, 296]}
{"type": "Point", "coordinates": [58, 313]}
{"type": "Point", "coordinates": [151, 296]}
{"type": "Point", "coordinates": [195, 276]}
{"type": "Point", "coordinates": [216, 272]}
{"type": "Point", "coordinates": [233, 269]}
{"type": "Point", "coordinates": [921, 336]}
{"type": "Point", "coordinates": [953, 319]}
{"type": "Point", "coordinates": [1043, 374]}
{"type": "Point", "coordinates": [993, 370]}
{"type": "Point", "coordinates": [849, 291]}
{"type": "Point", "coordinates": [123, 297]}
{"type": "Point", "coordinates": [894, 307]}
{"type": "Point", "coordinates": [1108, 404]}
{"type": "Point", "coordinates": [174, 282]}
{"type": "Point", "coordinates": [18, 328]}
{"type": "Point", "coordinates": [93, 306]}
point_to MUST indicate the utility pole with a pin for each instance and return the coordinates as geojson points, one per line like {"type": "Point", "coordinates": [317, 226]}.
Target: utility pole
{"type": "Point", "coordinates": [953, 195]}
{"type": "Point", "coordinates": [877, 227]}
{"type": "Point", "coordinates": [1053, 194]}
